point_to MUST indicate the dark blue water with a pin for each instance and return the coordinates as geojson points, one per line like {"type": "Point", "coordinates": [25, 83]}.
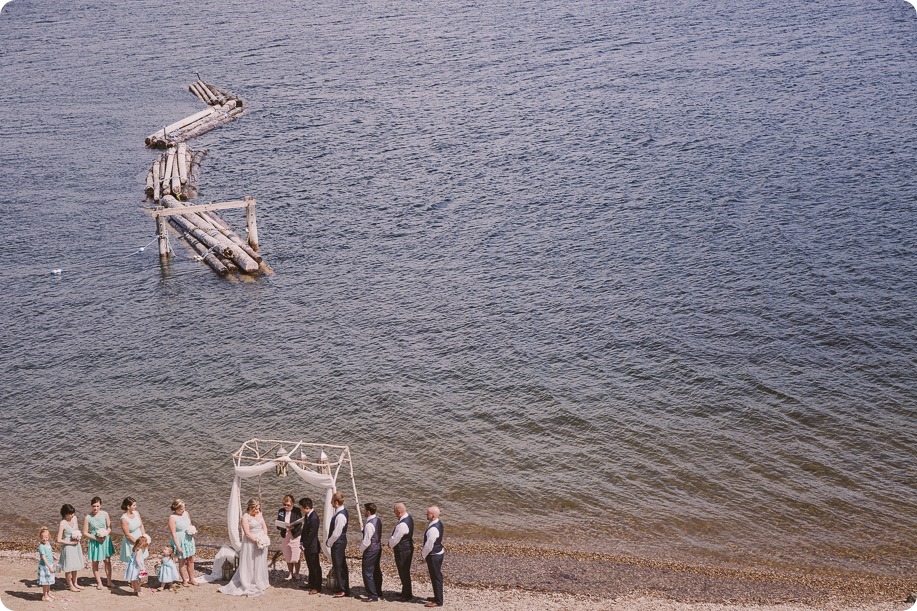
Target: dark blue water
{"type": "Point", "coordinates": [640, 274]}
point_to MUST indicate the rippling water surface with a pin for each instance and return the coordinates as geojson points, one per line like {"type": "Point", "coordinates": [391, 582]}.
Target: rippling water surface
{"type": "Point", "coordinates": [624, 276]}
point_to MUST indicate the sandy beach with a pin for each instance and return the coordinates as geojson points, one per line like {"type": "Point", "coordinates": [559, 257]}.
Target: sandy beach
{"type": "Point", "coordinates": [506, 578]}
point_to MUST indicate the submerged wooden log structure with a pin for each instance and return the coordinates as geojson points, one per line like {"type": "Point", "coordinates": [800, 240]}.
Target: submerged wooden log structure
{"type": "Point", "coordinates": [223, 108]}
{"type": "Point", "coordinates": [174, 177]}
{"type": "Point", "coordinates": [208, 257]}
{"type": "Point", "coordinates": [206, 232]}
{"type": "Point", "coordinates": [171, 173]}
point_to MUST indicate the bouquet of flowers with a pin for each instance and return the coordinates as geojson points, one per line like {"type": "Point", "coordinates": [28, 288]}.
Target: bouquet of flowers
{"type": "Point", "coordinates": [102, 533]}
{"type": "Point", "coordinates": [191, 530]}
{"type": "Point", "coordinates": [263, 542]}
{"type": "Point", "coordinates": [76, 535]}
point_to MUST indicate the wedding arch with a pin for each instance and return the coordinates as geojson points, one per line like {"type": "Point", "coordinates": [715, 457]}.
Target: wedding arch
{"type": "Point", "coordinates": [317, 464]}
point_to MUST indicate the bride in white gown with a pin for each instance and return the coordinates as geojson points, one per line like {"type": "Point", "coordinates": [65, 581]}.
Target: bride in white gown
{"type": "Point", "coordinates": [250, 578]}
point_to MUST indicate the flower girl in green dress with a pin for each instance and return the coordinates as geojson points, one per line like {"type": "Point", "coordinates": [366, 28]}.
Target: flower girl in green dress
{"type": "Point", "coordinates": [45, 564]}
{"type": "Point", "coordinates": [97, 529]}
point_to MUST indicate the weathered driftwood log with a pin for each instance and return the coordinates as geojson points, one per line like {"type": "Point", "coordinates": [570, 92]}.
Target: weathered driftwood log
{"type": "Point", "coordinates": [222, 119]}
{"type": "Point", "coordinates": [196, 165]}
{"type": "Point", "coordinates": [252, 223]}
{"type": "Point", "coordinates": [161, 233]}
{"type": "Point", "coordinates": [189, 154]}
{"type": "Point", "coordinates": [168, 129]}
{"type": "Point", "coordinates": [226, 230]}
{"type": "Point", "coordinates": [181, 160]}
{"type": "Point", "coordinates": [193, 88]}
{"type": "Point", "coordinates": [197, 220]}
{"type": "Point", "coordinates": [214, 239]}
{"type": "Point", "coordinates": [194, 176]}
{"type": "Point", "coordinates": [198, 123]}
{"type": "Point", "coordinates": [216, 99]}
{"type": "Point", "coordinates": [163, 179]}
{"type": "Point", "coordinates": [176, 181]}
{"type": "Point", "coordinates": [170, 168]}
{"type": "Point", "coordinates": [149, 183]}
{"type": "Point", "coordinates": [205, 91]}
{"type": "Point", "coordinates": [186, 183]}
{"type": "Point", "coordinates": [185, 227]}
{"type": "Point", "coordinates": [157, 185]}
{"type": "Point", "coordinates": [206, 254]}
{"type": "Point", "coordinates": [188, 120]}
{"type": "Point", "coordinates": [226, 94]}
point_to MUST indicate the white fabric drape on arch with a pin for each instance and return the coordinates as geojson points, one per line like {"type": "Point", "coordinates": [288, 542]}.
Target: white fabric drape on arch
{"type": "Point", "coordinates": [234, 509]}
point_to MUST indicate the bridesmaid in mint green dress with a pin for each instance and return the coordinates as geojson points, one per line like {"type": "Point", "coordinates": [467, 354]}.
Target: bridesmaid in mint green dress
{"type": "Point", "coordinates": [71, 552]}
{"type": "Point", "coordinates": [183, 541]}
{"type": "Point", "coordinates": [133, 529]}
{"type": "Point", "coordinates": [97, 529]}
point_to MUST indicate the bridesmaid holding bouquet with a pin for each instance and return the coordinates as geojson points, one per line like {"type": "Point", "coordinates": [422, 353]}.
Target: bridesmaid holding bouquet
{"type": "Point", "coordinates": [71, 553]}
{"type": "Point", "coordinates": [133, 529]}
{"type": "Point", "coordinates": [97, 529]}
{"type": "Point", "coordinates": [183, 540]}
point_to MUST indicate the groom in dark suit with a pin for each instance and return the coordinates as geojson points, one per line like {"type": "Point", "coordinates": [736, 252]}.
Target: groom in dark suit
{"type": "Point", "coordinates": [309, 544]}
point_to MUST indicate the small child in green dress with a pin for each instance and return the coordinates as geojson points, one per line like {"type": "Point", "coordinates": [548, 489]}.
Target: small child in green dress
{"type": "Point", "coordinates": [46, 566]}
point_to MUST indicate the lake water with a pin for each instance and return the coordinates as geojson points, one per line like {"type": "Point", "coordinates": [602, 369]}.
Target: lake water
{"type": "Point", "coordinates": [635, 277]}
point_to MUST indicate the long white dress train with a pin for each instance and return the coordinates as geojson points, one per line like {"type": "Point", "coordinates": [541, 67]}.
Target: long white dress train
{"type": "Point", "coordinates": [251, 576]}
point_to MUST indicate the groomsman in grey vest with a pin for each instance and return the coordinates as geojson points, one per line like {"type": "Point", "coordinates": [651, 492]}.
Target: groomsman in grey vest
{"type": "Point", "coordinates": [338, 544]}
{"type": "Point", "coordinates": [402, 543]}
{"type": "Point", "coordinates": [371, 547]}
{"type": "Point", "coordinates": [433, 552]}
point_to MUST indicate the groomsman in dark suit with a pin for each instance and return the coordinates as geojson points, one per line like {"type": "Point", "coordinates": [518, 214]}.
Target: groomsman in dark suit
{"type": "Point", "coordinates": [337, 541]}
{"type": "Point", "coordinates": [309, 544]}
{"type": "Point", "coordinates": [433, 552]}
{"type": "Point", "coordinates": [402, 543]}
{"type": "Point", "coordinates": [371, 547]}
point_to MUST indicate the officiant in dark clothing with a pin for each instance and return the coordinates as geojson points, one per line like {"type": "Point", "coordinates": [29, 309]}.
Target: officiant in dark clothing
{"type": "Point", "coordinates": [290, 514]}
{"type": "Point", "coordinates": [309, 543]}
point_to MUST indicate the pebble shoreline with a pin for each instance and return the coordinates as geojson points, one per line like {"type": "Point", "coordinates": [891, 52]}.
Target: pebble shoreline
{"type": "Point", "coordinates": [593, 580]}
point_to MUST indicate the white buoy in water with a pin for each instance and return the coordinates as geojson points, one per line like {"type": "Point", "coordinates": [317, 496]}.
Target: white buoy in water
{"type": "Point", "coordinates": [57, 271]}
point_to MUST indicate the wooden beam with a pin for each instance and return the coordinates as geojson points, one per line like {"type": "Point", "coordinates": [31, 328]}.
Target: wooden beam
{"type": "Point", "coordinates": [198, 208]}
{"type": "Point", "coordinates": [252, 224]}
{"type": "Point", "coordinates": [163, 239]}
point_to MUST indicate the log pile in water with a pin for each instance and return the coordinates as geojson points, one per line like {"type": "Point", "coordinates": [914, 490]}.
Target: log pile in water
{"type": "Point", "coordinates": [174, 178]}
{"type": "Point", "coordinates": [227, 246]}
{"type": "Point", "coordinates": [223, 107]}
{"type": "Point", "coordinates": [176, 172]}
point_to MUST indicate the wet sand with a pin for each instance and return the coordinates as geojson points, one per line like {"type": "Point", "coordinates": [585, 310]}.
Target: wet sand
{"type": "Point", "coordinates": [508, 577]}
